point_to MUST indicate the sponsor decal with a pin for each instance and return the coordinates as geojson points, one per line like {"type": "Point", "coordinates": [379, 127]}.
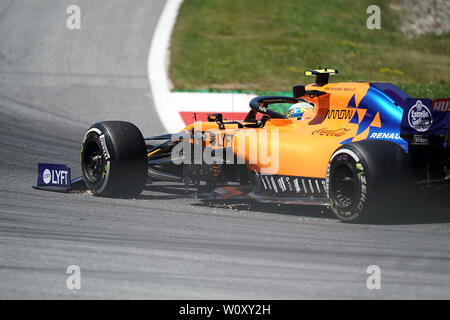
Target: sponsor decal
{"type": "Point", "coordinates": [442, 105]}
{"type": "Point", "coordinates": [53, 175]}
{"type": "Point", "coordinates": [385, 135]}
{"type": "Point", "coordinates": [219, 139]}
{"type": "Point", "coordinates": [331, 132]}
{"type": "Point", "coordinates": [262, 109]}
{"type": "Point", "coordinates": [340, 114]}
{"type": "Point", "coordinates": [47, 176]}
{"type": "Point", "coordinates": [421, 140]}
{"type": "Point", "coordinates": [104, 147]}
{"type": "Point", "coordinates": [420, 117]}
{"type": "Point", "coordinates": [327, 183]}
{"type": "Point", "coordinates": [362, 179]}
{"type": "Point", "coordinates": [347, 89]}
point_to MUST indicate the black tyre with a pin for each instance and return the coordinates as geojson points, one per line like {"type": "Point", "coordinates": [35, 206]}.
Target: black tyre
{"type": "Point", "coordinates": [369, 181]}
{"type": "Point", "coordinates": [114, 159]}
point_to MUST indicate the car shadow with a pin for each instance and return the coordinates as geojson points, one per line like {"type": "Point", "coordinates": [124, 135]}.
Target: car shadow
{"type": "Point", "coordinates": [166, 192]}
{"type": "Point", "coordinates": [309, 211]}
{"type": "Point", "coordinates": [420, 216]}
{"type": "Point", "coordinates": [177, 191]}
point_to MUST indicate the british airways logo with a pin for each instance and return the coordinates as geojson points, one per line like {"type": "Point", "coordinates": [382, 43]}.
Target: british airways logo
{"type": "Point", "coordinates": [53, 175]}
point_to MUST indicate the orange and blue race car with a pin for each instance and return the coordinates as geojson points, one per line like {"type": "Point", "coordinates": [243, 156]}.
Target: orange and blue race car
{"type": "Point", "coordinates": [363, 149]}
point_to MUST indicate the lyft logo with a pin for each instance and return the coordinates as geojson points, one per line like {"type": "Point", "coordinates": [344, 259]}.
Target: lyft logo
{"type": "Point", "coordinates": [53, 175]}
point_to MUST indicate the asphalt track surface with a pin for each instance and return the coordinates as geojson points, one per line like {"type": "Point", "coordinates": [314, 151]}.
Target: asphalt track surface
{"type": "Point", "coordinates": [54, 83]}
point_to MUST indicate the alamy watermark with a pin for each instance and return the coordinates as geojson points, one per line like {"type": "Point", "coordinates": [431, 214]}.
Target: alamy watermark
{"type": "Point", "coordinates": [73, 281]}
{"type": "Point", "coordinates": [374, 280]}
{"type": "Point", "coordinates": [73, 21]}
{"type": "Point", "coordinates": [374, 20]}
{"type": "Point", "coordinates": [214, 146]}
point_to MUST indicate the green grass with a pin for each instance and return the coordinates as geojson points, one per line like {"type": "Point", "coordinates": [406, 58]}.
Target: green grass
{"type": "Point", "coordinates": [264, 45]}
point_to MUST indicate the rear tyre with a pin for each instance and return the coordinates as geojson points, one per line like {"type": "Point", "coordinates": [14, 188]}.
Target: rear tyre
{"type": "Point", "coordinates": [369, 181]}
{"type": "Point", "coordinates": [114, 159]}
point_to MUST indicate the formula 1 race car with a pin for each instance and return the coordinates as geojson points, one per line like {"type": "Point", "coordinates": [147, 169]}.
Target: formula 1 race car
{"type": "Point", "coordinates": [364, 150]}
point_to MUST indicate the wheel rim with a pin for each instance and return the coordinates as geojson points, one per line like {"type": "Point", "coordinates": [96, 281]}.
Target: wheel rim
{"type": "Point", "coordinates": [343, 186]}
{"type": "Point", "coordinates": [93, 161]}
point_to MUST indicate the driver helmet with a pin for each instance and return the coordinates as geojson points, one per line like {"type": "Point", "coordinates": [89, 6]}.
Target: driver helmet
{"type": "Point", "coordinates": [297, 110]}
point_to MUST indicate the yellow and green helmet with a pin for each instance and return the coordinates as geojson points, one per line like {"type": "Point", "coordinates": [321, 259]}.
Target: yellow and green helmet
{"type": "Point", "coordinates": [297, 110]}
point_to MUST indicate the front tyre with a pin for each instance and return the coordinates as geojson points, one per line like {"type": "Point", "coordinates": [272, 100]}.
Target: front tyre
{"type": "Point", "coordinates": [369, 180]}
{"type": "Point", "coordinates": [114, 159]}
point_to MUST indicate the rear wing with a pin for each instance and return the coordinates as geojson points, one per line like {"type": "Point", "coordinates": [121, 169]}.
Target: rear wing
{"type": "Point", "coordinates": [426, 122]}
